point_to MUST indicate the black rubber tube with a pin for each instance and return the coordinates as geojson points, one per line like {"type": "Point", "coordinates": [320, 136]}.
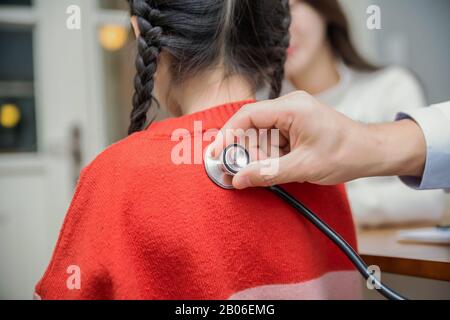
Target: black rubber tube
{"type": "Point", "coordinates": [353, 256]}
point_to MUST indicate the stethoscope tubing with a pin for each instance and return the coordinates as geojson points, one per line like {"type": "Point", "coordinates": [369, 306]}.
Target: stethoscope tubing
{"type": "Point", "coordinates": [343, 245]}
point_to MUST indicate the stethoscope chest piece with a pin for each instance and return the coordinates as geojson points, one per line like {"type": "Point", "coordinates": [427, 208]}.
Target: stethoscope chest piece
{"type": "Point", "coordinates": [221, 170]}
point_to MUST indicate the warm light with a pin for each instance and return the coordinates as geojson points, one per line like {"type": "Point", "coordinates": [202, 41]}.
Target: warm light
{"type": "Point", "coordinates": [113, 37]}
{"type": "Point", "coordinates": [9, 115]}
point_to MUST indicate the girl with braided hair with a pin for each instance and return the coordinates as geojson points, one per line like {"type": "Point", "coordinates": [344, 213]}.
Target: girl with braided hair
{"type": "Point", "coordinates": [143, 227]}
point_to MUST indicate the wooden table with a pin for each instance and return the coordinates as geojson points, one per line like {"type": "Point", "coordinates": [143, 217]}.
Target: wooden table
{"type": "Point", "coordinates": [380, 247]}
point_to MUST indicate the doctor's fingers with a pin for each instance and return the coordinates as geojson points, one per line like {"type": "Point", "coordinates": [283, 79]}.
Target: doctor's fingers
{"type": "Point", "coordinates": [279, 113]}
{"type": "Point", "coordinates": [272, 144]}
{"type": "Point", "coordinates": [257, 141]}
{"type": "Point", "coordinates": [285, 169]}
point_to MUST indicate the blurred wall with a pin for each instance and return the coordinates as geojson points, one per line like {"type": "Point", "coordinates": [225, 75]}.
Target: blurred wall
{"type": "Point", "coordinates": [416, 34]}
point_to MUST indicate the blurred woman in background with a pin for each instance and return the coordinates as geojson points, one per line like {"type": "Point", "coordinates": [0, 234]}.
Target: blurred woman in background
{"type": "Point", "coordinates": [323, 61]}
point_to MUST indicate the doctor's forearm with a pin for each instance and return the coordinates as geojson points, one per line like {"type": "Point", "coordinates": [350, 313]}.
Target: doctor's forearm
{"type": "Point", "coordinates": [396, 149]}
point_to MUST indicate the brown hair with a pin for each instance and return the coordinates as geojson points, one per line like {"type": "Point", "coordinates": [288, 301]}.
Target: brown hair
{"type": "Point", "coordinates": [338, 34]}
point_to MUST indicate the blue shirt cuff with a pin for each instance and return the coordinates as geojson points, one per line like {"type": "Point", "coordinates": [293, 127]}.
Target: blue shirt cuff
{"type": "Point", "coordinates": [435, 125]}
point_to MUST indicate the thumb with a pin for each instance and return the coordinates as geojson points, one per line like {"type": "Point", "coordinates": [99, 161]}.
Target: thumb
{"type": "Point", "coordinates": [266, 173]}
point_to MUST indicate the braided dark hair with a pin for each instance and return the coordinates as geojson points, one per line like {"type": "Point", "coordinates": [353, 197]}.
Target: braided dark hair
{"type": "Point", "coordinates": [247, 37]}
{"type": "Point", "coordinates": [280, 46]}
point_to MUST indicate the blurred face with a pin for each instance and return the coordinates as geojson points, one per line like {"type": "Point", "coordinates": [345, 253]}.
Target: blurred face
{"type": "Point", "coordinates": [308, 37]}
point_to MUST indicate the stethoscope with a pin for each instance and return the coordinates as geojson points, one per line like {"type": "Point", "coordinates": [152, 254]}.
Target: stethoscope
{"type": "Point", "coordinates": [235, 157]}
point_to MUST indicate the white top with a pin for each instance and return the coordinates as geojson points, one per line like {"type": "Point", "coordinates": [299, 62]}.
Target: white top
{"type": "Point", "coordinates": [378, 97]}
{"type": "Point", "coordinates": [435, 124]}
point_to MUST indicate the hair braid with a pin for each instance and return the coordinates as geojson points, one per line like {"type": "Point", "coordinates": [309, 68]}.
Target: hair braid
{"type": "Point", "coordinates": [280, 45]}
{"type": "Point", "coordinates": [149, 48]}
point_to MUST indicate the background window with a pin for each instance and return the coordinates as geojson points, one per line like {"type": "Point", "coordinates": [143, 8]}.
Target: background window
{"type": "Point", "coordinates": [17, 103]}
{"type": "Point", "coordinates": [15, 2]}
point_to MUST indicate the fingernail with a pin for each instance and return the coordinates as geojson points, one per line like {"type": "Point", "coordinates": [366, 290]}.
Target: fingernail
{"type": "Point", "coordinates": [241, 182]}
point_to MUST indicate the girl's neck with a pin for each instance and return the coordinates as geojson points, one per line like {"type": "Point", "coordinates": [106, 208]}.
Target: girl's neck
{"type": "Point", "coordinates": [212, 89]}
{"type": "Point", "coordinates": [320, 75]}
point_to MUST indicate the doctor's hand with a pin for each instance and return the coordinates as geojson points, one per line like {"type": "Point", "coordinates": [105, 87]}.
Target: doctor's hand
{"type": "Point", "coordinates": [322, 146]}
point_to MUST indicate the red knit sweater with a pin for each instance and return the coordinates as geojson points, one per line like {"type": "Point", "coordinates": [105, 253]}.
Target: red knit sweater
{"type": "Point", "coordinates": [141, 227]}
